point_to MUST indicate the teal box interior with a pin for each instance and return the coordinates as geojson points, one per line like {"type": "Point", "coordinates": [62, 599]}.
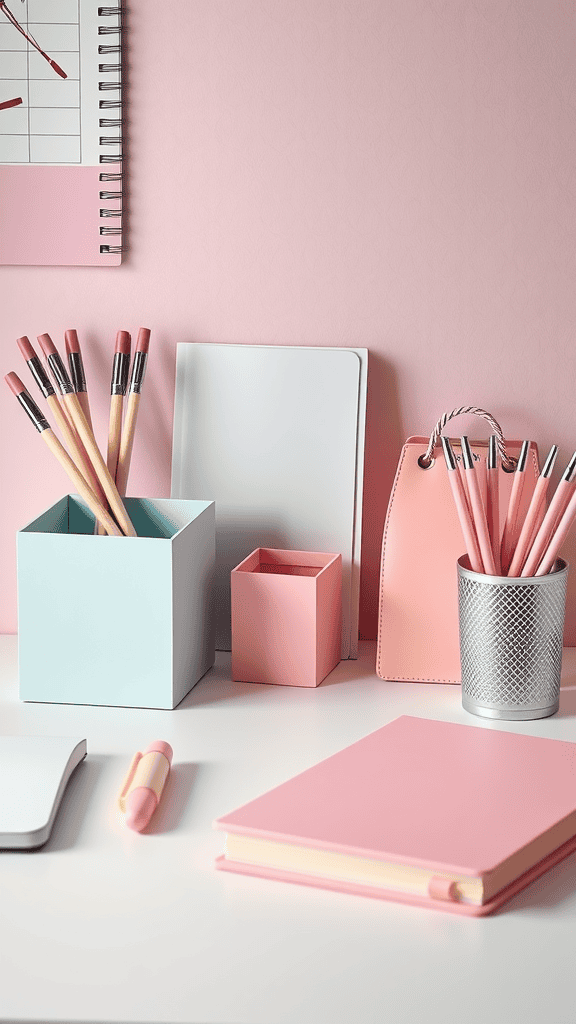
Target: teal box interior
{"type": "Point", "coordinates": [118, 621]}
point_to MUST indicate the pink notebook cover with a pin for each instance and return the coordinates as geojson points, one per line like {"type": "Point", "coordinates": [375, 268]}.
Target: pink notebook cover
{"type": "Point", "coordinates": [61, 134]}
{"type": "Point", "coordinates": [448, 797]}
{"type": "Point", "coordinates": [50, 216]}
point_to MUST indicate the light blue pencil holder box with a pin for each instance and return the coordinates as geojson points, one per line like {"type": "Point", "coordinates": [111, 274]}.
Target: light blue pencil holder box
{"type": "Point", "coordinates": [117, 621]}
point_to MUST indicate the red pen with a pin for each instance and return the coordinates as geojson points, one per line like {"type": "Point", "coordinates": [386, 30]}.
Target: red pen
{"type": "Point", "coordinates": [30, 38]}
{"type": "Point", "coordinates": [11, 103]}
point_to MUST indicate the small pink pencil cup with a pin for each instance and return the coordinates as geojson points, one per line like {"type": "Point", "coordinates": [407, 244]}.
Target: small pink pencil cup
{"type": "Point", "coordinates": [286, 616]}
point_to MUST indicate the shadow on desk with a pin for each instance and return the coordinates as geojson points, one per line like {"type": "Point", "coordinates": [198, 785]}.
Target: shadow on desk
{"type": "Point", "coordinates": [217, 684]}
{"type": "Point", "coordinates": [73, 809]}
{"type": "Point", "coordinates": [567, 707]}
{"type": "Point", "coordinates": [175, 798]}
{"type": "Point", "coordinates": [550, 890]}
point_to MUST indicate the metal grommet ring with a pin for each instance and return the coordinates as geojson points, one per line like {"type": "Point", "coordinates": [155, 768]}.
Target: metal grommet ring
{"type": "Point", "coordinates": [512, 467]}
{"type": "Point", "coordinates": [425, 463]}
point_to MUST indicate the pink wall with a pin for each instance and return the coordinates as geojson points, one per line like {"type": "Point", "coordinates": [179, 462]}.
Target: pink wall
{"type": "Point", "coordinates": [395, 174]}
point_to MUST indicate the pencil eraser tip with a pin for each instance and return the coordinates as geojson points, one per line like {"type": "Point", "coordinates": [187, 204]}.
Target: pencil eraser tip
{"type": "Point", "coordinates": [14, 383]}
{"type": "Point", "coordinates": [140, 806]}
{"type": "Point", "coordinates": [143, 340]}
{"type": "Point", "coordinates": [72, 343]}
{"type": "Point", "coordinates": [46, 344]}
{"type": "Point", "coordinates": [25, 348]}
{"type": "Point", "coordinates": [123, 342]}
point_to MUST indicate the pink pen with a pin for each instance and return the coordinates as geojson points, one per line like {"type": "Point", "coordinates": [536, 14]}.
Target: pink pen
{"type": "Point", "coordinates": [558, 537]}
{"type": "Point", "coordinates": [477, 509]}
{"type": "Point", "coordinates": [557, 506]}
{"type": "Point", "coordinates": [534, 515]}
{"type": "Point", "coordinates": [461, 504]}
{"type": "Point", "coordinates": [493, 499]}
{"type": "Point", "coordinates": [511, 527]}
{"type": "Point", "coordinates": [143, 785]}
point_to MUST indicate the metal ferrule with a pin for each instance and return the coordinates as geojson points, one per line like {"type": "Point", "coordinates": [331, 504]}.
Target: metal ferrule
{"type": "Point", "coordinates": [522, 459]}
{"type": "Point", "coordinates": [466, 453]}
{"type": "Point", "coordinates": [120, 370]}
{"type": "Point", "coordinates": [35, 413]}
{"type": "Point", "coordinates": [493, 452]}
{"type": "Point", "coordinates": [60, 374]}
{"type": "Point", "coordinates": [41, 377]}
{"type": "Point", "coordinates": [138, 371]}
{"type": "Point", "coordinates": [570, 470]}
{"type": "Point", "coordinates": [448, 453]}
{"type": "Point", "coordinates": [549, 464]}
{"type": "Point", "coordinates": [77, 371]}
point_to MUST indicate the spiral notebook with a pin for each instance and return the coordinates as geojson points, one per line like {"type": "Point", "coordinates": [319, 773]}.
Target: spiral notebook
{"type": "Point", "coordinates": [60, 133]}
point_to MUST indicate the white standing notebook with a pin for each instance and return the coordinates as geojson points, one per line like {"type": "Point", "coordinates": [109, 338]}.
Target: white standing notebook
{"type": "Point", "coordinates": [275, 435]}
{"type": "Point", "coordinates": [34, 772]}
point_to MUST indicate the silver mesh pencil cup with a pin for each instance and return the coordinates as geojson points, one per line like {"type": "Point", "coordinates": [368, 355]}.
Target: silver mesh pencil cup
{"type": "Point", "coordinates": [511, 642]}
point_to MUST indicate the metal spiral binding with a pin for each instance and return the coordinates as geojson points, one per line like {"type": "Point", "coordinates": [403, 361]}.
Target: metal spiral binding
{"type": "Point", "coordinates": [113, 141]}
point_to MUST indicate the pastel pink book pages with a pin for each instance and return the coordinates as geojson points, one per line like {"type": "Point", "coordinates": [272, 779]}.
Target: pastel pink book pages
{"type": "Point", "coordinates": [60, 134]}
{"type": "Point", "coordinates": [454, 800]}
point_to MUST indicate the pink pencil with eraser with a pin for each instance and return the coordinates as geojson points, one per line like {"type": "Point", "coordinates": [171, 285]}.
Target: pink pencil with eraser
{"type": "Point", "coordinates": [43, 427]}
{"type": "Point", "coordinates": [132, 406]}
{"type": "Point", "coordinates": [118, 385]}
{"type": "Point", "coordinates": [77, 375]}
{"type": "Point", "coordinates": [70, 399]}
{"type": "Point", "coordinates": [75, 447]}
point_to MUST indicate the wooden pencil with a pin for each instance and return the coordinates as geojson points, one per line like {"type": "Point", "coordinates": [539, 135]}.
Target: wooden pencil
{"type": "Point", "coordinates": [134, 390]}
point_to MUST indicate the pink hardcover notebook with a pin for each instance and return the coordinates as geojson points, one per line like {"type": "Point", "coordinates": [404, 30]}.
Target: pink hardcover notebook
{"type": "Point", "coordinates": [424, 812]}
{"type": "Point", "coordinates": [60, 134]}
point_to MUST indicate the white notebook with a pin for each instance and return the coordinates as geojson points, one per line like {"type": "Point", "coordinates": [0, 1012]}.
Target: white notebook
{"type": "Point", "coordinates": [275, 436]}
{"type": "Point", "coordinates": [34, 772]}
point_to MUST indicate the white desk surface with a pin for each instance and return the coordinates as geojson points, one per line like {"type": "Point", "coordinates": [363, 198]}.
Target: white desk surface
{"type": "Point", "coordinates": [104, 924]}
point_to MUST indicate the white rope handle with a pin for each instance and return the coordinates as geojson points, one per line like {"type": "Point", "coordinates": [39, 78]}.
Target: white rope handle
{"type": "Point", "coordinates": [508, 463]}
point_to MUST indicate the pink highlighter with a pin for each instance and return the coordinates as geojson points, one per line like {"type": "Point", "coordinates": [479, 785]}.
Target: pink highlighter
{"type": "Point", "coordinates": [144, 783]}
